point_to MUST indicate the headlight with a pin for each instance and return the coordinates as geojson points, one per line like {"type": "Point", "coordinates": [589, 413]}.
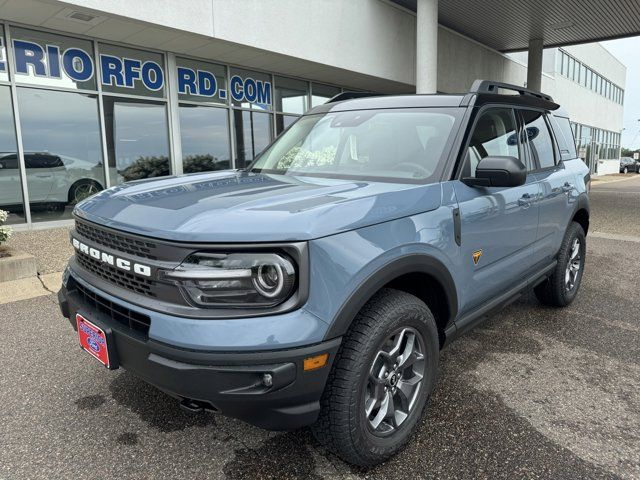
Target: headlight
{"type": "Point", "coordinates": [235, 280]}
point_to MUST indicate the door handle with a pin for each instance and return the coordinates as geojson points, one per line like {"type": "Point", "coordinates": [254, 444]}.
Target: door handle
{"type": "Point", "coordinates": [567, 187]}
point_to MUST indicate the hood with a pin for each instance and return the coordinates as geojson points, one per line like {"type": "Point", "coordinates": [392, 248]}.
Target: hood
{"type": "Point", "coordinates": [251, 207]}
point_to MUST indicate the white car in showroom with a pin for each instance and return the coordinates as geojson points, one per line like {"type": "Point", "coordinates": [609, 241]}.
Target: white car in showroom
{"type": "Point", "coordinates": [53, 180]}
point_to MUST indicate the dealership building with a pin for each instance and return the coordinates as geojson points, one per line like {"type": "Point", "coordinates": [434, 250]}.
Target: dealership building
{"type": "Point", "coordinates": [96, 93]}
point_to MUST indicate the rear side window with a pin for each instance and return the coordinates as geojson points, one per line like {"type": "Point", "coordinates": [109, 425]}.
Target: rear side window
{"type": "Point", "coordinates": [493, 135]}
{"type": "Point", "coordinates": [539, 140]}
{"type": "Point", "coordinates": [564, 135]}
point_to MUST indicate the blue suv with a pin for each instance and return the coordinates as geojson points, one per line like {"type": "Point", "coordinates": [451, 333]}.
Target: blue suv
{"type": "Point", "coordinates": [318, 285]}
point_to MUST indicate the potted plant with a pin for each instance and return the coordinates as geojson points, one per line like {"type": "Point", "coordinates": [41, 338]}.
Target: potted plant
{"type": "Point", "coordinates": [5, 233]}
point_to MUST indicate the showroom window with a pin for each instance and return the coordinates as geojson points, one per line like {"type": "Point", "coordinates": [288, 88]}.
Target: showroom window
{"type": "Point", "coordinates": [201, 82]}
{"type": "Point", "coordinates": [62, 150]}
{"type": "Point", "coordinates": [204, 133]}
{"type": "Point", "coordinates": [137, 138]}
{"type": "Point", "coordinates": [291, 95]}
{"type": "Point", "coordinates": [10, 184]}
{"type": "Point", "coordinates": [321, 93]}
{"type": "Point", "coordinates": [4, 68]}
{"type": "Point", "coordinates": [131, 71]}
{"type": "Point", "coordinates": [51, 60]}
{"type": "Point", "coordinates": [253, 135]}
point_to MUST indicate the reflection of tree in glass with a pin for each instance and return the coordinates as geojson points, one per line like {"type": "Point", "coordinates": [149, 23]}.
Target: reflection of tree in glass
{"type": "Point", "coordinates": [301, 157]}
{"type": "Point", "coordinates": [146, 167]}
{"type": "Point", "coordinates": [203, 163]}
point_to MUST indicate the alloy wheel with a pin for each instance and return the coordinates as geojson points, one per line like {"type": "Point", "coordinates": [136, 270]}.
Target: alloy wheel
{"type": "Point", "coordinates": [83, 191]}
{"type": "Point", "coordinates": [395, 381]}
{"type": "Point", "coordinates": [573, 266]}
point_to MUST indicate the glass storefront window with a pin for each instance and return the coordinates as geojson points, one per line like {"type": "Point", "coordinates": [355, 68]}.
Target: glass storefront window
{"type": "Point", "coordinates": [201, 81]}
{"type": "Point", "coordinates": [321, 93]}
{"type": "Point", "coordinates": [62, 150]}
{"type": "Point", "coordinates": [283, 122]}
{"type": "Point", "coordinates": [205, 138]}
{"type": "Point", "coordinates": [10, 185]}
{"type": "Point", "coordinates": [291, 95]}
{"type": "Point", "coordinates": [131, 71]}
{"type": "Point", "coordinates": [137, 138]}
{"type": "Point", "coordinates": [249, 89]}
{"type": "Point", "coordinates": [4, 67]}
{"type": "Point", "coordinates": [253, 134]}
{"type": "Point", "coordinates": [51, 60]}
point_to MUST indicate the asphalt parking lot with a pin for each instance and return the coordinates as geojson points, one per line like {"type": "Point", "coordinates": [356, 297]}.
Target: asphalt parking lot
{"type": "Point", "coordinates": [532, 393]}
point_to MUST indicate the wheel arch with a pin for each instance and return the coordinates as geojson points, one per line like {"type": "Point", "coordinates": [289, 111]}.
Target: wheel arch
{"type": "Point", "coordinates": [581, 213]}
{"type": "Point", "coordinates": [421, 275]}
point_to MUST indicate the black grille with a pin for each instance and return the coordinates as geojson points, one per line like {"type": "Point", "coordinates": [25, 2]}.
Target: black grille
{"type": "Point", "coordinates": [116, 276]}
{"type": "Point", "coordinates": [135, 321]}
{"type": "Point", "coordinates": [116, 241]}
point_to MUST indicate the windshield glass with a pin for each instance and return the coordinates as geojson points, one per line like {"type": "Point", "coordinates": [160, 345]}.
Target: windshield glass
{"type": "Point", "coordinates": [393, 144]}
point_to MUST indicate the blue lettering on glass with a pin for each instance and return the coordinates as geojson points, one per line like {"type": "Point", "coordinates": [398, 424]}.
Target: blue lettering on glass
{"type": "Point", "coordinates": [152, 75]}
{"type": "Point", "coordinates": [187, 81]}
{"type": "Point", "coordinates": [250, 90]}
{"type": "Point", "coordinates": [207, 85]}
{"type": "Point", "coordinates": [53, 60]}
{"type": "Point", "coordinates": [111, 70]}
{"type": "Point", "coordinates": [77, 64]}
{"type": "Point", "coordinates": [264, 93]}
{"type": "Point", "coordinates": [222, 94]}
{"type": "Point", "coordinates": [29, 54]}
{"type": "Point", "coordinates": [131, 71]}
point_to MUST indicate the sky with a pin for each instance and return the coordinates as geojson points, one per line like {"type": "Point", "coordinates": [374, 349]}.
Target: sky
{"type": "Point", "coordinates": [627, 50]}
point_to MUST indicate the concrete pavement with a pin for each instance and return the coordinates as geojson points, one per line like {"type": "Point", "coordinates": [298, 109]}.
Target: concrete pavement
{"type": "Point", "coordinates": [533, 393]}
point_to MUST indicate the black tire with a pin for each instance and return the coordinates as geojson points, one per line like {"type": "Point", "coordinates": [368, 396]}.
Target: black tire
{"type": "Point", "coordinates": [555, 291]}
{"type": "Point", "coordinates": [343, 426]}
{"type": "Point", "coordinates": [83, 189]}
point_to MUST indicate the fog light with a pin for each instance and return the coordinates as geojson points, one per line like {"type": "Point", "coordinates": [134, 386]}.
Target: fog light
{"type": "Point", "coordinates": [313, 363]}
{"type": "Point", "coordinates": [267, 380]}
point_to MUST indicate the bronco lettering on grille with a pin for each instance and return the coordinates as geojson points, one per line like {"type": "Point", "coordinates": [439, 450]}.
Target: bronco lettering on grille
{"type": "Point", "coordinates": [120, 263]}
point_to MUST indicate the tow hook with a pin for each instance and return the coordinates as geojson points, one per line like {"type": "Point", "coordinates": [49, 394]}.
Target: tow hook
{"type": "Point", "coordinates": [196, 406]}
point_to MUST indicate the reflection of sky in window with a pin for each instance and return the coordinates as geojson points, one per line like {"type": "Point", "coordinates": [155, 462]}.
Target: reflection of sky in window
{"type": "Point", "coordinates": [204, 131]}
{"type": "Point", "coordinates": [140, 131]}
{"type": "Point", "coordinates": [61, 123]}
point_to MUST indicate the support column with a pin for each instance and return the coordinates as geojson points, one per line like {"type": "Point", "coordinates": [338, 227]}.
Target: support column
{"type": "Point", "coordinates": [534, 65]}
{"type": "Point", "coordinates": [427, 46]}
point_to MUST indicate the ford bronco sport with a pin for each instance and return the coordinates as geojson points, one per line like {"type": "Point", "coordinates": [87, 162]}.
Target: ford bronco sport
{"type": "Point", "coordinates": [318, 285]}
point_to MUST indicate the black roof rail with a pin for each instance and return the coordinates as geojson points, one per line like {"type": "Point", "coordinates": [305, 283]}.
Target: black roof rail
{"type": "Point", "coordinates": [350, 95]}
{"type": "Point", "coordinates": [489, 86]}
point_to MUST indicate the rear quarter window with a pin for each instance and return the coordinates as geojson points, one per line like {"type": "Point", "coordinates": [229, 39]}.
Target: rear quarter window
{"type": "Point", "coordinates": [564, 136]}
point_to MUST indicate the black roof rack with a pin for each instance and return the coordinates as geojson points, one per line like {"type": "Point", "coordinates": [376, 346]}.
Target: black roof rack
{"type": "Point", "coordinates": [350, 95]}
{"type": "Point", "coordinates": [489, 86]}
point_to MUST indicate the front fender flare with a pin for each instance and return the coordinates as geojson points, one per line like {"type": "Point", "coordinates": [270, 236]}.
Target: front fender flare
{"type": "Point", "coordinates": [411, 263]}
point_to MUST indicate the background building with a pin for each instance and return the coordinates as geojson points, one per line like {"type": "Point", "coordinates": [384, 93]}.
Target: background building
{"type": "Point", "coordinates": [96, 93]}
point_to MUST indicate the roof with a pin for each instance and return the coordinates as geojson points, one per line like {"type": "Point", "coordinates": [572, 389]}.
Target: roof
{"type": "Point", "coordinates": [508, 25]}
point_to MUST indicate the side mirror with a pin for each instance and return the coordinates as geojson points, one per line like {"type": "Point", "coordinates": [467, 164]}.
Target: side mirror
{"type": "Point", "coordinates": [498, 172]}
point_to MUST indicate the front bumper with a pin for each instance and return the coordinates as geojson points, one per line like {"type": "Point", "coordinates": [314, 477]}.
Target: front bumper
{"type": "Point", "coordinates": [228, 382]}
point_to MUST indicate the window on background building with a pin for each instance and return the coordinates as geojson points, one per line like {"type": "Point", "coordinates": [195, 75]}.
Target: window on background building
{"type": "Point", "coordinates": [253, 133]}
{"type": "Point", "coordinates": [131, 71]}
{"type": "Point", "coordinates": [321, 93]}
{"type": "Point", "coordinates": [137, 138]}
{"type": "Point", "coordinates": [53, 60]}
{"type": "Point", "coordinates": [62, 150]}
{"type": "Point", "coordinates": [539, 138]}
{"type": "Point", "coordinates": [10, 185]}
{"type": "Point", "coordinates": [283, 122]}
{"type": "Point", "coordinates": [291, 95]}
{"type": "Point", "coordinates": [205, 138]}
{"type": "Point", "coordinates": [201, 82]}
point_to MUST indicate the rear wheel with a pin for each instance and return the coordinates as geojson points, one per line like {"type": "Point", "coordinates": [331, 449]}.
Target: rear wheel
{"type": "Point", "coordinates": [561, 288]}
{"type": "Point", "coordinates": [83, 189]}
{"type": "Point", "coordinates": [380, 381]}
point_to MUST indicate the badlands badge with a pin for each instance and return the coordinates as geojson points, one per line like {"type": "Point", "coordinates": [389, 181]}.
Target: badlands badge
{"type": "Point", "coordinates": [476, 256]}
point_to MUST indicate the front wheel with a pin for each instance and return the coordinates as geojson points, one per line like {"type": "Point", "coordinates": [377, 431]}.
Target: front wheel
{"type": "Point", "coordinates": [560, 289]}
{"type": "Point", "coordinates": [625, 170]}
{"type": "Point", "coordinates": [380, 381]}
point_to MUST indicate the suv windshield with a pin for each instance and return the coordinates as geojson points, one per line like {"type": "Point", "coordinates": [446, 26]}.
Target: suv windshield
{"type": "Point", "coordinates": [390, 144]}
